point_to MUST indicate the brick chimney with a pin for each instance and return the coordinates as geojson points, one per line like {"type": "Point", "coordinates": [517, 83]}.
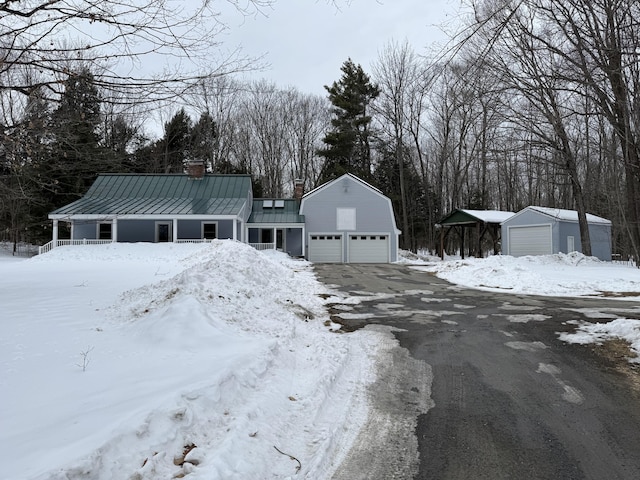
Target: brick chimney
{"type": "Point", "coordinates": [196, 169]}
{"type": "Point", "coordinates": [298, 189]}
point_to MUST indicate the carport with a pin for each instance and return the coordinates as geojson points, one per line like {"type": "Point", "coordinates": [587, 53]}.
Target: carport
{"type": "Point", "coordinates": [473, 225]}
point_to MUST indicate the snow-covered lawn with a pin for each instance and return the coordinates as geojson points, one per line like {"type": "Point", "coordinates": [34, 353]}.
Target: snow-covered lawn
{"type": "Point", "coordinates": [117, 360]}
{"type": "Point", "coordinates": [149, 361]}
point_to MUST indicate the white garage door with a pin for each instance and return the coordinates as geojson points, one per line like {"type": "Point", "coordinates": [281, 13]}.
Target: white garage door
{"type": "Point", "coordinates": [325, 248]}
{"type": "Point", "coordinates": [368, 249]}
{"type": "Point", "coordinates": [535, 240]}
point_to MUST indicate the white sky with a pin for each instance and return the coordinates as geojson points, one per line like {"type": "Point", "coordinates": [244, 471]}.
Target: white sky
{"type": "Point", "coordinates": [307, 41]}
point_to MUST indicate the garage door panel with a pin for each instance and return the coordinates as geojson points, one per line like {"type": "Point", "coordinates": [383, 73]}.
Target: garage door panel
{"type": "Point", "coordinates": [325, 249]}
{"type": "Point", "coordinates": [368, 248]}
{"type": "Point", "coordinates": [530, 240]}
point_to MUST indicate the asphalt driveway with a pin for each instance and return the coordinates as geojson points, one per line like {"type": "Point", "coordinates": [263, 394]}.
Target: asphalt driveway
{"type": "Point", "coordinates": [478, 385]}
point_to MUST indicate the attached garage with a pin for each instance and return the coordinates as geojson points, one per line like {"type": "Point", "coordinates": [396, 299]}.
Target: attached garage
{"type": "Point", "coordinates": [325, 248]}
{"type": "Point", "coordinates": [530, 240]}
{"type": "Point", "coordinates": [546, 231]}
{"type": "Point", "coordinates": [368, 248]}
{"type": "Point", "coordinates": [348, 220]}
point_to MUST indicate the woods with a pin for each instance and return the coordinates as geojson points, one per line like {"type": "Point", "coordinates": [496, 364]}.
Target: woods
{"type": "Point", "coordinates": [536, 103]}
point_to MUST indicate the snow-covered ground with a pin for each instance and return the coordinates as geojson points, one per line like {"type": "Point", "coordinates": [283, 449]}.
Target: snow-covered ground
{"type": "Point", "coordinates": [565, 275]}
{"type": "Point", "coordinates": [147, 361]}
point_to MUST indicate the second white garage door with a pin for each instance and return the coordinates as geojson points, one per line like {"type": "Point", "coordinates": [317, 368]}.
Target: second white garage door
{"type": "Point", "coordinates": [530, 240]}
{"type": "Point", "coordinates": [368, 249]}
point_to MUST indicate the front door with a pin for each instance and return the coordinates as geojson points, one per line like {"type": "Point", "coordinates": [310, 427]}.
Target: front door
{"type": "Point", "coordinates": [163, 232]}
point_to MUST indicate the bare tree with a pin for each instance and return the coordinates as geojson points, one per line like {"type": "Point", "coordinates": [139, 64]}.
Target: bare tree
{"type": "Point", "coordinates": [118, 40]}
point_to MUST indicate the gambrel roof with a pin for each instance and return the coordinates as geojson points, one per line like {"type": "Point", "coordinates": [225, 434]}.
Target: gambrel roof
{"type": "Point", "coordinates": [162, 194]}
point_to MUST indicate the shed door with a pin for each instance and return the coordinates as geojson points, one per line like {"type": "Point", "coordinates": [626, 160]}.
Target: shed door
{"type": "Point", "coordinates": [534, 240]}
{"type": "Point", "coordinates": [368, 249]}
{"type": "Point", "coordinates": [325, 248]}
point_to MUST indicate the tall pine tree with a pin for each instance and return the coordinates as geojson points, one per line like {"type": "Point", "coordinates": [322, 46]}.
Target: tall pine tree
{"type": "Point", "coordinates": [348, 143]}
{"type": "Point", "coordinates": [77, 154]}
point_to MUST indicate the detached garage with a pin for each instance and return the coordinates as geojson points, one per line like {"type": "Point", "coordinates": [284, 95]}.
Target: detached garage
{"type": "Point", "coordinates": [349, 221]}
{"type": "Point", "coordinates": [545, 231]}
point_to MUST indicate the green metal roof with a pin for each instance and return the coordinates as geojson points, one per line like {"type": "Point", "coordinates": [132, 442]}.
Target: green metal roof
{"type": "Point", "coordinates": [470, 217]}
{"type": "Point", "coordinates": [287, 213]}
{"type": "Point", "coordinates": [169, 194]}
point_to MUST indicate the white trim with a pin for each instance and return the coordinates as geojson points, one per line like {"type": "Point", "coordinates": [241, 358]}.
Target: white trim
{"type": "Point", "coordinates": [106, 217]}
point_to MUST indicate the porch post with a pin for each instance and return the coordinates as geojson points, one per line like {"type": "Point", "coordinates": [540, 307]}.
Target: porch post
{"type": "Point", "coordinates": [114, 230]}
{"type": "Point", "coordinates": [175, 230]}
{"type": "Point", "coordinates": [55, 233]}
{"type": "Point", "coordinates": [304, 242]}
{"type": "Point", "coordinates": [275, 238]}
{"type": "Point", "coordinates": [235, 229]}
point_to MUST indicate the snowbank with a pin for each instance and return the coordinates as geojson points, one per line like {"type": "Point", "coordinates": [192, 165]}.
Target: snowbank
{"type": "Point", "coordinates": [147, 361]}
{"type": "Point", "coordinates": [553, 275]}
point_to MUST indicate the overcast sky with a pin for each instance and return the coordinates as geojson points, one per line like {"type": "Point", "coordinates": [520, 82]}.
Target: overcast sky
{"type": "Point", "coordinates": [307, 41]}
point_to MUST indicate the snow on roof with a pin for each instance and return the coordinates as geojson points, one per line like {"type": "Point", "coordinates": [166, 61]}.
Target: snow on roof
{"type": "Point", "coordinates": [490, 216]}
{"type": "Point", "coordinates": [568, 215]}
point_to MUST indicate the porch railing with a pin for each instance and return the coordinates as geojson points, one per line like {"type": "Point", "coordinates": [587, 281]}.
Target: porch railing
{"type": "Point", "coordinates": [59, 243]}
{"type": "Point", "coordinates": [263, 246]}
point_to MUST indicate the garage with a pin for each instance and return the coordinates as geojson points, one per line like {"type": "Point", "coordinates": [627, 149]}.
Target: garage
{"type": "Point", "coordinates": [368, 248]}
{"type": "Point", "coordinates": [530, 240]}
{"type": "Point", "coordinates": [325, 248]}
{"type": "Point", "coordinates": [349, 221]}
{"type": "Point", "coordinates": [547, 231]}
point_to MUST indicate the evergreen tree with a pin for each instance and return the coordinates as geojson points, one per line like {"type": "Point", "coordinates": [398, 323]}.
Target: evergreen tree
{"type": "Point", "coordinates": [76, 152]}
{"type": "Point", "coordinates": [203, 140]}
{"type": "Point", "coordinates": [177, 142]}
{"type": "Point", "coordinates": [347, 144]}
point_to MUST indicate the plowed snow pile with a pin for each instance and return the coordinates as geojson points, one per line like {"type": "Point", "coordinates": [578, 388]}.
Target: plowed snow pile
{"type": "Point", "coordinates": [148, 361]}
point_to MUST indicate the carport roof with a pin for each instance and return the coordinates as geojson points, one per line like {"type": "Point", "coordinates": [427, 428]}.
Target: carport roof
{"type": "Point", "coordinates": [471, 217]}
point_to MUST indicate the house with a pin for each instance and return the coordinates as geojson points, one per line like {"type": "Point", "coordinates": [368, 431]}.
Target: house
{"type": "Point", "coordinates": [545, 231]}
{"type": "Point", "coordinates": [479, 223]}
{"type": "Point", "coordinates": [349, 221]}
{"type": "Point", "coordinates": [197, 207]}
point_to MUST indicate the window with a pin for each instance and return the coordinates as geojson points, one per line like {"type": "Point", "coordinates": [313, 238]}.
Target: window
{"type": "Point", "coordinates": [104, 231]}
{"type": "Point", "coordinates": [346, 218]}
{"type": "Point", "coordinates": [209, 230]}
